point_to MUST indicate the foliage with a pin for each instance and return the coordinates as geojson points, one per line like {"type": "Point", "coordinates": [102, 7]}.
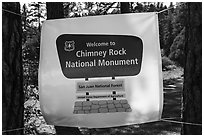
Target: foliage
{"type": "Point", "coordinates": [170, 24]}
{"type": "Point", "coordinates": [168, 37]}
{"type": "Point", "coordinates": [167, 64]}
{"type": "Point", "coordinates": [34, 14]}
{"type": "Point", "coordinates": [79, 9]}
{"type": "Point", "coordinates": [30, 53]}
{"type": "Point", "coordinates": [179, 20]}
{"type": "Point", "coordinates": [33, 118]}
{"type": "Point", "coordinates": [30, 56]}
{"type": "Point", "coordinates": [177, 48]}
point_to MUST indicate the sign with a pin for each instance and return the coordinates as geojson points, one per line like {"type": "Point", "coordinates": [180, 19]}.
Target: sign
{"type": "Point", "coordinates": [107, 55]}
{"type": "Point", "coordinates": [101, 85]}
{"type": "Point", "coordinates": [101, 71]}
{"type": "Point", "coordinates": [101, 96]}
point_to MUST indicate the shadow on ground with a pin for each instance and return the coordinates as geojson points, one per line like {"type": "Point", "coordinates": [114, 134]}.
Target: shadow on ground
{"type": "Point", "coordinates": [171, 110]}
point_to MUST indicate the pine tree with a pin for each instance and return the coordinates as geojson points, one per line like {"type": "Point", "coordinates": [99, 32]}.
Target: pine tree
{"type": "Point", "coordinates": [168, 36]}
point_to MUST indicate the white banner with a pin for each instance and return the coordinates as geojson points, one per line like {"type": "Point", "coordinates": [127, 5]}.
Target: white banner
{"type": "Point", "coordinates": [101, 71]}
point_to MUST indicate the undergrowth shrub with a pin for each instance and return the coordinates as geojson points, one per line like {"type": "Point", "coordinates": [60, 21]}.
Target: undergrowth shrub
{"type": "Point", "coordinates": [167, 64]}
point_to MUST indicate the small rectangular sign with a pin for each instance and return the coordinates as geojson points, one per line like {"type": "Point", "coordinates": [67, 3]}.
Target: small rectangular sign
{"type": "Point", "coordinates": [101, 96]}
{"type": "Point", "coordinates": [101, 85]}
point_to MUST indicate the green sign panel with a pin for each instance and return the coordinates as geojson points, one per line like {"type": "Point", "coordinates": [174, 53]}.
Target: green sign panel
{"type": "Point", "coordinates": [88, 56]}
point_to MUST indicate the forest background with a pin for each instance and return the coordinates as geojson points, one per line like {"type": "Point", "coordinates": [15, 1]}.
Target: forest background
{"type": "Point", "coordinates": [172, 30]}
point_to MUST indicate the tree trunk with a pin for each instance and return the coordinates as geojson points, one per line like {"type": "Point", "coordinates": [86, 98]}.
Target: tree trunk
{"type": "Point", "coordinates": [55, 11]}
{"type": "Point", "coordinates": [12, 76]}
{"type": "Point", "coordinates": [192, 91]}
{"type": "Point", "coordinates": [125, 7]}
